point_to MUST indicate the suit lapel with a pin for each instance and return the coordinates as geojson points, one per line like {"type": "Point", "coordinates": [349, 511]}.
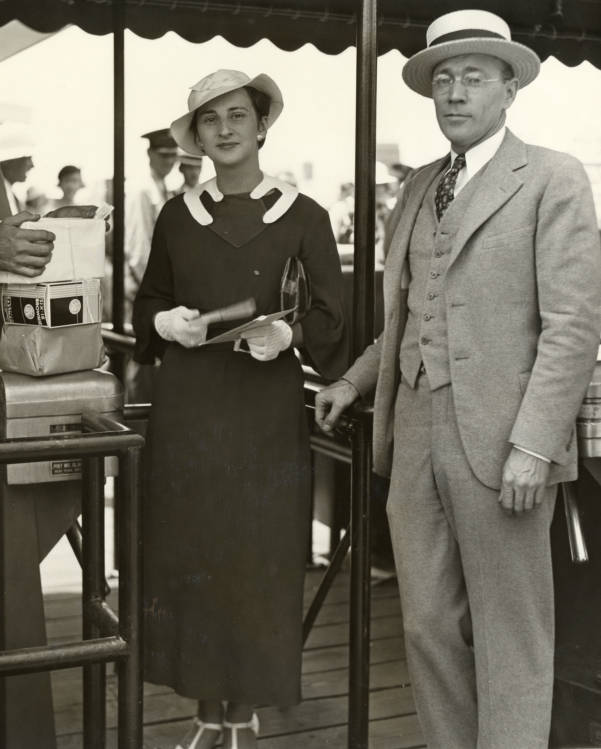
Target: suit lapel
{"type": "Point", "coordinates": [497, 185]}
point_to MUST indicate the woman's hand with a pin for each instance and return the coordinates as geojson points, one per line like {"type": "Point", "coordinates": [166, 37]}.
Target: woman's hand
{"type": "Point", "coordinates": [266, 342]}
{"type": "Point", "coordinates": [177, 325]}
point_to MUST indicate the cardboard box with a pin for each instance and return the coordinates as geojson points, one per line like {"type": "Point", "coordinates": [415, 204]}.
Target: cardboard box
{"type": "Point", "coordinates": [38, 351]}
{"type": "Point", "coordinates": [53, 305]}
{"type": "Point", "coordinates": [78, 250]}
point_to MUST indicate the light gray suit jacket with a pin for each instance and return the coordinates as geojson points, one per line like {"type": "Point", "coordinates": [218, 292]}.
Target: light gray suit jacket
{"type": "Point", "coordinates": [523, 301]}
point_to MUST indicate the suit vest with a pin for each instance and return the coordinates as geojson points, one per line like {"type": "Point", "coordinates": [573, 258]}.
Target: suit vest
{"type": "Point", "coordinates": [425, 337]}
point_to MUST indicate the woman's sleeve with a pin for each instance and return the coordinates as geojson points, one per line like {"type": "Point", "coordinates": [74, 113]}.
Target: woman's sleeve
{"type": "Point", "coordinates": [155, 294]}
{"type": "Point", "coordinates": [325, 333]}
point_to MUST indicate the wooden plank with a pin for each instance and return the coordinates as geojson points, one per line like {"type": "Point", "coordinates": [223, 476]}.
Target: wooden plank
{"type": "Point", "coordinates": [313, 726]}
{"type": "Point", "coordinates": [338, 634]}
{"type": "Point", "coordinates": [165, 705]}
{"type": "Point", "coordinates": [326, 659]}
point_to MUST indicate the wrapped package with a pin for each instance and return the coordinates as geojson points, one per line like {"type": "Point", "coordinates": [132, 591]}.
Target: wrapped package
{"type": "Point", "coordinates": [36, 350]}
{"type": "Point", "coordinates": [78, 250]}
{"type": "Point", "coordinates": [53, 304]}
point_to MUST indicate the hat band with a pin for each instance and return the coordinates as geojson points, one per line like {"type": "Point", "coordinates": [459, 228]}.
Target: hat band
{"type": "Point", "coordinates": [466, 34]}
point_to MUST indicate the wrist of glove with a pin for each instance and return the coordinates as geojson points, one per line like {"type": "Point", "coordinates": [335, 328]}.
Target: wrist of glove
{"type": "Point", "coordinates": [267, 342]}
{"type": "Point", "coordinates": [174, 325]}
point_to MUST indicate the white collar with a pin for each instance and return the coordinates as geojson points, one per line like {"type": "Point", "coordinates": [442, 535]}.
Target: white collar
{"type": "Point", "coordinates": [278, 209]}
{"type": "Point", "coordinates": [476, 157]}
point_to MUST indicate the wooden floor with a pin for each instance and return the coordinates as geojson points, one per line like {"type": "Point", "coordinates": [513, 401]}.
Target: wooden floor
{"type": "Point", "coordinates": [319, 722]}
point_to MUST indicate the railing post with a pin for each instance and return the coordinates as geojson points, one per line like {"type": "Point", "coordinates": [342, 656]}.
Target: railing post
{"type": "Point", "coordinates": [130, 601]}
{"type": "Point", "coordinates": [94, 675]}
{"type": "Point", "coordinates": [363, 334]}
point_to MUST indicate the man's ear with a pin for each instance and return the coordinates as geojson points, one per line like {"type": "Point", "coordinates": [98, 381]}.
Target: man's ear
{"type": "Point", "coordinates": [511, 91]}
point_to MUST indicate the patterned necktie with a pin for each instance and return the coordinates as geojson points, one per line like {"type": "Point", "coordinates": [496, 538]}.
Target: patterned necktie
{"type": "Point", "coordinates": [444, 192]}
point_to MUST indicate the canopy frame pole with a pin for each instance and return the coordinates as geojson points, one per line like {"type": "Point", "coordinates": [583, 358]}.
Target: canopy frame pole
{"type": "Point", "coordinates": [118, 172]}
{"type": "Point", "coordinates": [363, 335]}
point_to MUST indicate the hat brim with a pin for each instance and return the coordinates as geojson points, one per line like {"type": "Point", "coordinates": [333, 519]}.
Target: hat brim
{"type": "Point", "coordinates": [181, 129]}
{"type": "Point", "coordinates": [417, 72]}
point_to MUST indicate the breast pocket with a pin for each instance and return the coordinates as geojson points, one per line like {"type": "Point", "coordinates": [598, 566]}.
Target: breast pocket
{"type": "Point", "coordinates": [515, 240]}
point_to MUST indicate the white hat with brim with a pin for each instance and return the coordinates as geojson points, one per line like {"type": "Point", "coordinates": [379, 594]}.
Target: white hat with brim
{"type": "Point", "coordinates": [16, 141]}
{"type": "Point", "coordinates": [468, 32]}
{"type": "Point", "coordinates": [214, 85]}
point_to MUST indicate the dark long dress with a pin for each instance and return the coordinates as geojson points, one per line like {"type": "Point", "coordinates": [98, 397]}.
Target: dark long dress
{"type": "Point", "coordinates": [227, 503]}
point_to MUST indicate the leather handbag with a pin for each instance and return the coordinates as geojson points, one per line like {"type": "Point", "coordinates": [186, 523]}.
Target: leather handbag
{"type": "Point", "coordinates": [295, 290]}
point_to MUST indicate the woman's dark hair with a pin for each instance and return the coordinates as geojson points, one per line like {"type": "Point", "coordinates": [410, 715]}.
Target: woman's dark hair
{"type": "Point", "coordinates": [261, 104]}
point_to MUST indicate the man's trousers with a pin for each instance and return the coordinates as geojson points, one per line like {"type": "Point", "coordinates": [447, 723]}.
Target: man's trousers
{"type": "Point", "coordinates": [476, 588]}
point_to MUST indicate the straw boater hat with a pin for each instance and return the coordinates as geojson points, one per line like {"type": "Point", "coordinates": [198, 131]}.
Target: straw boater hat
{"type": "Point", "coordinates": [214, 85]}
{"type": "Point", "coordinates": [468, 32]}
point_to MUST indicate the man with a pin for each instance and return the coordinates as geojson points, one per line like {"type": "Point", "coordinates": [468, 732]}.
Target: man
{"type": "Point", "coordinates": [69, 183]}
{"type": "Point", "coordinates": [190, 167]}
{"type": "Point", "coordinates": [492, 294]}
{"type": "Point", "coordinates": [144, 204]}
{"type": "Point", "coordinates": [15, 170]}
{"type": "Point", "coordinates": [22, 251]}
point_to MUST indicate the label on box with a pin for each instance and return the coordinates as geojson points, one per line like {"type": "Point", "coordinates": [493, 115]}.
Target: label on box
{"type": "Point", "coordinates": [52, 305]}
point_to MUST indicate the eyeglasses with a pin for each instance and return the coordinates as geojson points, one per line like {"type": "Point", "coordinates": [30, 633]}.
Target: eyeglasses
{"type": "Point", "coordinates": [442, 82]}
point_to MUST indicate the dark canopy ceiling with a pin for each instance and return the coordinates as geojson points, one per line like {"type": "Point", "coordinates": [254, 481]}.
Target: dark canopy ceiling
{"type": "Point", "coordinates": [568, 29]}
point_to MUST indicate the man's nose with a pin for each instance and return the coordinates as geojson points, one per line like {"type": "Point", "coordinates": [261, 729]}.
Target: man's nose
{"type": "Point", "coordinates": [457, 91]}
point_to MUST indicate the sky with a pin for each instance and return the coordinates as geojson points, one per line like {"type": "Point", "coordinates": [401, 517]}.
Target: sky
{"type": "Point", "coordinates": [65, 84]}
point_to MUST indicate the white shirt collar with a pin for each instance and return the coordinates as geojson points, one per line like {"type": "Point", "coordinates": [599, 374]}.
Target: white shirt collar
{"type": "Point", "coordinates": [476, 157]}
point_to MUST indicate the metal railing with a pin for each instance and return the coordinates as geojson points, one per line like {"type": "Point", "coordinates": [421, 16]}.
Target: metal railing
{"type": "Point", "coordinates": [106, 637]}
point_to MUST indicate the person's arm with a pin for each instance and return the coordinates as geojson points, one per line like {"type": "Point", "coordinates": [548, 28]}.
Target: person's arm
{"type": "Point", "coordinates": [568, 273]}
{"type": "Point", "coordinates": [324, 328]}
{"type": "Point", "coordinates": [24, 251]}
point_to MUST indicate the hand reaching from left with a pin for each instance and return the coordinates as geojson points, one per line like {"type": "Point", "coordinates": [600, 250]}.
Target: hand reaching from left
{"type": "Point", "coordinates": [266, 342]}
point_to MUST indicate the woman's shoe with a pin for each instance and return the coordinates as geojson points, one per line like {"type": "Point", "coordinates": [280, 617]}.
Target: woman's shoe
{"type": "Point", "coordinates": [191, 739]}
{"type": "Point", "coordinates": [253, 724]}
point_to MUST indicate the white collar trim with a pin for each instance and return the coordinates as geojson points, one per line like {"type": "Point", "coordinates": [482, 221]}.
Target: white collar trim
{"type": "Point", "coordinates": [277, 210]}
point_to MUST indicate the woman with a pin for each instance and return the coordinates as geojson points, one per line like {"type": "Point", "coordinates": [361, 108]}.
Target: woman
{"type": "Point", "coordinates": [228, 492]}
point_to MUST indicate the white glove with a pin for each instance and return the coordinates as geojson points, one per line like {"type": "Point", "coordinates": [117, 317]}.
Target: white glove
{"type": "Point", "coordinates": [266, 342]}
{"type": "Point", "coordinates": [174, 325]}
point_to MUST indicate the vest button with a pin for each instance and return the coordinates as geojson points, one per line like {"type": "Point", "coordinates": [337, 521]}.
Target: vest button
{"type": "Point", "coordinates": [424, 341]}
{"type": "Point", "coordinates": [428, 316]}
{"type": "Point", "coordinates": [437, 254]}
{"type": "Point", "coordinates": [433, 274]}
{"type": "Point", "coordinates": [431, 296]}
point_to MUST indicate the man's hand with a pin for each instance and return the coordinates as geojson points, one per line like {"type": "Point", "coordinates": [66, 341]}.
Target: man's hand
{"type": "Point", "coordinates": [331, 402]}
{"type": "Point", "coordinates": [24, 251]}
{"type": "Point", "coordinates": [524, 482]}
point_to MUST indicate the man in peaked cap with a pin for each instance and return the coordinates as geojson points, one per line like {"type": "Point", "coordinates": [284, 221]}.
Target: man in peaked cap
{"type": "Point", "coordinates": [492, 320]}
{"type": "Point", "coordinates": [143, 205]}
{"type": "Point", "coordinates": [190, 166]}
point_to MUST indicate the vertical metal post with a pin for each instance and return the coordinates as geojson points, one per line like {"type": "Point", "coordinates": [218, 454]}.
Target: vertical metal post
{"type": "Point", "coordinates": [118, 165]}
{"type": "Point", "coordinates": [94, 676]}
{"type": "Point", "coordinates": [363, 325]}
{"type": "Point", "coordinates": [118, 302]}
{"type": "Point", "coordinates": [130, 602]}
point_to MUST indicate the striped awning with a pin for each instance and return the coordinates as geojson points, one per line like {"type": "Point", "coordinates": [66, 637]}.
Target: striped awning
{"type": "Point", "coordinates": [568, 29]}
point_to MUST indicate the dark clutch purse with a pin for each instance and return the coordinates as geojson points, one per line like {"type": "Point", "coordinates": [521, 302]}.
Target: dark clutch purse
{"type": "Point", "coordinates": [295, 290]}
